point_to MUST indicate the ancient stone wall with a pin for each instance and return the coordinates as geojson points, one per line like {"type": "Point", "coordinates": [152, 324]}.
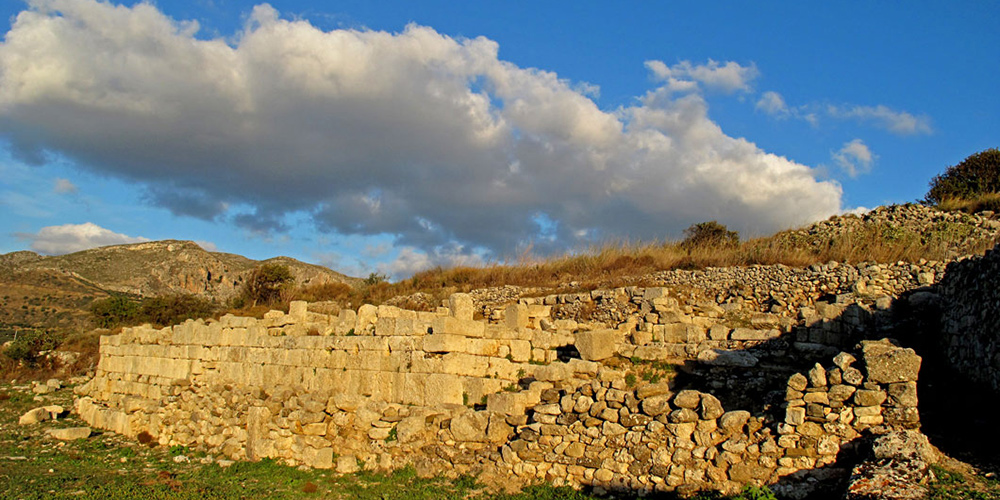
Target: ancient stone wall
{"type": "Point", "coordinates": [532, 393]}
{"type": "Point", "coordinates": [970, 294]}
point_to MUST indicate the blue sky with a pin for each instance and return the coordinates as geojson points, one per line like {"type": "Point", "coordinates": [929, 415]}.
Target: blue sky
{"type": "Point", "coordinates": [393, 136]}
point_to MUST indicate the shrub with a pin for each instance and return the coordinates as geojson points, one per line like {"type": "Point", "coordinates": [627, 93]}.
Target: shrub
{"type": "Point", "coordinates": [29, 343]}
{"type": "Point", "coordinates": [709, 233]}
{"type": "Point", "coordinates": [173, 309]}
{"type": "Point", "coordinates": [375, 279]}
{"type": "Point", "coordinates": [975, 176]}
{"type": "Point", "coordinates": [114, 311]}
{"type": "Point", "coordinates": [168, 310]}
{"type": "Point", "coordinates": [267, 284]}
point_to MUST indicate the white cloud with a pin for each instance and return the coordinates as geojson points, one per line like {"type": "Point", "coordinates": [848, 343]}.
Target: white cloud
{"type": "Point", "coordinates": [411, 134]}
{"type": "Point", "coordinates": [207, 246]}
{"type": "Point", "coordinates": [410, 260]}
{"type": "Point", "coordinates": [854, 157]}
{"type": "Point", "coordinates": [773, 104]}
{"type": "Point", "coordinates": [64, 186]}
{"type": "Point", "coordinates": [69, 238]}
{"type": "Point", "coordinates": [728, 77]}
{"type": "Point", "coordinates": [897, 122]}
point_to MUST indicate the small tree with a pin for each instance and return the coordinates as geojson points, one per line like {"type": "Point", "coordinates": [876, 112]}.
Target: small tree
{"type": "Point", "coordinates": [267, 283]}
{"type": "Point", "coordinates": [711, 233]}
{"type": "Point", "coordinates": [975, 176]}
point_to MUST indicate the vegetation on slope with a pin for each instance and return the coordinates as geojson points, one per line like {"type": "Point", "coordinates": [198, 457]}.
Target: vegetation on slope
{"type": "Point", "coordinates": [971, 186]}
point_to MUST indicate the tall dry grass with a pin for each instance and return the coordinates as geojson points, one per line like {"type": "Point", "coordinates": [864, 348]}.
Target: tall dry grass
{"type": "Point", "coordinates": [619, 263]}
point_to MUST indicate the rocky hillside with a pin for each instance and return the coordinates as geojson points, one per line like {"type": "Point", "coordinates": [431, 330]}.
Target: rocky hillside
{"type": "Point", "coordinates": [164, 267]}
{"type": "Point", "coordinates": [54, 292]}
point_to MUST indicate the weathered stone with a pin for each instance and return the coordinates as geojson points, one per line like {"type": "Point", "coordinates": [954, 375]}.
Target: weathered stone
{"type": "Point", "coordinates": [887, 363]}
{"type": "Point", "coordinates": [869, 398]}
{"type": "Point", "coordinates": [683, 415]}
{"type": "Point", "coordinates": [470, 426]}
{"type": "Point", "coordinates": [728, 358]}
{"type": "Point", "coordinates": [347, 464]}
{"type": "Point", "coordinates": [798, 382]}
{"type": "Point", "coordinates": [596, 345]}
{"type": "Point", "coordinates": [903, 394]}
{"type": "Point", "coordinates": [733, 421]}
{"type": "Point", "coordinates": [649, 390]}
{"type": "Point", "coordinates": [710, 407]}
{"type": "Point", "coordinates": [844, 360]}
{"type": "Point", "coordinates": [687, 399]}
{"type": "Point", "coordinates": [841, 392]}
{"type": "Point", "coordinates": [461, 306]}
{"type": "Point", "coordinates": [817, 376]}
{"type": "Point", "coordinates": [656, 405]}
{"type": "Point", "coordinates": [853, 376]}
{"type": "Point", "coordinates": [795, 415]}
{"type": "Point", "coordinates": [70, 433]}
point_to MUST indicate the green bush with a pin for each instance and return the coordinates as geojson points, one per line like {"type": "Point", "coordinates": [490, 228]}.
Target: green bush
{"type": "Point", "coordinates": [113, 311]}
{"type": "Point", "coordinates": [167, 310]}
{"type": "Point", "coordinates": [174, 309]}
{"type": "Point", "coordinates": [267, 285]}
{"type": "Point", "coordinates": [707, 234]}
{"type": "Point", "coordinates": [29, 343]}
{"type": "Point", "coordinates": [975, 176]}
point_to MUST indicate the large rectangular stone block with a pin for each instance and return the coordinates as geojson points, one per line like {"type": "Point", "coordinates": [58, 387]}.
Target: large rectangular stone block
{"type": "Point", "coordinates": [461, 306]}
{"type": "Point", "coordinates": [744, 334]}
{"type": "Point", "coordinates": [455, 326]}
{"type": "Point", "coordinates": [443, 343]}
{"type": "Point", "coordinates": [443, 389]}
{"type": "Point", "coordinates": [596, 345]}
{"type": "Point", "coordinates": [464, 364]}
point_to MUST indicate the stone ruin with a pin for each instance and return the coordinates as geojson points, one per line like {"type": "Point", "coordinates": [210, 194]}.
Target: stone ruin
{"type": "Point", "coordinates": [780, 377]}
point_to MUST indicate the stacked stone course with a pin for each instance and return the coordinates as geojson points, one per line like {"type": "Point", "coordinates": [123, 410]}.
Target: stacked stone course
{"type": "Point", "coordinates": [445, 393]}
{"type": "Point", "coordinates": [970, 305]}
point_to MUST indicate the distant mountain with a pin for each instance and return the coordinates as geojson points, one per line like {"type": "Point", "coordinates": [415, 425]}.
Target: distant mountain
{"type": "Point", "coordinates": [55, 291]}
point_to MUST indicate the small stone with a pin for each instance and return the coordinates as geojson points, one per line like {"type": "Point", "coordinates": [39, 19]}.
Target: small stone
{"type": "Point", "coordinates": [347, 464]}
{"type": "Point", "coordinates": [711, 407]}
{"type": "Point", "coordinates": [733, 421]}
{"type": "Point", "coordinates": [865, 397]}
{"type": "Point", "coordinates": [71, 433]}
{"type": "Point", "coordinates": [817, 376]}
{"type": "Point", "coordinates": [687, 399]}
{"type": "Point", "coordinates": [798, 382]}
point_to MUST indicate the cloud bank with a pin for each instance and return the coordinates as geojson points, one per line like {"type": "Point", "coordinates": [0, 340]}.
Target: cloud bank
{"type": "Point", "coordinates": [69, 238]}
{"type": "Point", "coordinates": [432, 139]}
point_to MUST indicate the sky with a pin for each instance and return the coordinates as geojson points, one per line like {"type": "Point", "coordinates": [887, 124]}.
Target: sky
{"type": "Point", "coordinates": [392, 137]}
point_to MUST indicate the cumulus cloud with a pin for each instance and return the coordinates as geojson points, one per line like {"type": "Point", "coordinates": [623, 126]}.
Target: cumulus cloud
{"type": "Point", "coordinates": [854, 157]}
{"type": "Point", "coordinates": [773, 104]}
{"type": "Point", "coordinates": [431, 139]}
{"type": "Point", "coordinates": [897, 122]}
{"type": "Point", "coordinates": [64, 186]}
{"type": "Point", "coordinates": [69, 238]}
{"type": "Point", "coordinates": [729, 77]}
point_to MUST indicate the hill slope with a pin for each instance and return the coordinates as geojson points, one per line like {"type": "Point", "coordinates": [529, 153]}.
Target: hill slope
{"type": "Point", "coordinates": [54, 292]}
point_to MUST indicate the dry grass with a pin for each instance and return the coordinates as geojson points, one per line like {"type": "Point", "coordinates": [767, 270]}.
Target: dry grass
{"type": "Point", "coordinates": [623, 263]}
{"type": "Point", "coordinates": [990, 201]}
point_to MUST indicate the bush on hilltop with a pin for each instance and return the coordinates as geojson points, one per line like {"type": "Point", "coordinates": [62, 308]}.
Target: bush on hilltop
{"type": "Point", "coordinates": [975, 177]}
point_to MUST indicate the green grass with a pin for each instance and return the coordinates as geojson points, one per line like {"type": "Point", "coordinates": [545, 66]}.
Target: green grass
{"type": "Point", "coordinates": [953, 485]}
{"type": "Point", "coordinates": [110, 467]}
